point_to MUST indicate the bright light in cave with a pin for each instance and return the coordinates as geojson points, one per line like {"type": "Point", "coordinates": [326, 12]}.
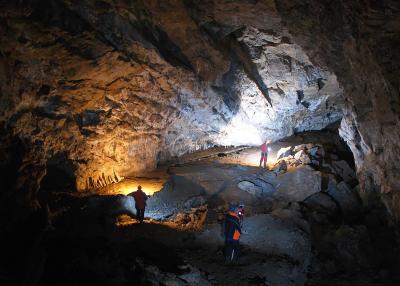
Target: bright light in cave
{"type": "Point", "coordinates": [129, 185]}
{"type": "Point", "coordinates": [240, 132]}
{"type": "Point", "coordinates": [251, 157]}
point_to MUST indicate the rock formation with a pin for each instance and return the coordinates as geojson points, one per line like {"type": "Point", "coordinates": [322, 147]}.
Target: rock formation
{"type": "Point", "coordinates": [357, 41]}
{"type": "Point", "coordinates": [94, 91]}
{"type": "Point", "coordinates": [303, 226]}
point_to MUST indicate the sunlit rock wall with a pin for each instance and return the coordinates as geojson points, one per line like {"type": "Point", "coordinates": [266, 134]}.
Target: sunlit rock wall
{"type": "Point", "coordinates": [92, 91]}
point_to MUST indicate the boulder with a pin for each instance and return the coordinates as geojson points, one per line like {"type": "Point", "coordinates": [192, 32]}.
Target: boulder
{"type": "Point", "coordinates": [249, 187]}
{"type": "Point", "coordinates": [343, 169]}
{"type": "Point", "coordinates": [256, 186]}
{"type": "Point", "coordinates": [299, 183]}
{"type": "Point", "coordinates": [322, 203]}
{"type": "Point", "coordinates": [302, 157]}
{"type": "Point", "coordinates": [313, 151]}
{"type": "Point", "coordinates": [305, 159]}
{"type": "Point", "coordinates": [179, 195]}
{"type": "Point", "coordinates": [316, 151]}
{"type": "Point", "coordinates": [298, 154]}
{"type": "Point", "coordinates": [284, 152]}
{"type": "Point", "coordinates": [299, 148]}
{"type": "Point", "coordinates": [280, 167]}
{"type": "Point", "coordinates": [346, 198]}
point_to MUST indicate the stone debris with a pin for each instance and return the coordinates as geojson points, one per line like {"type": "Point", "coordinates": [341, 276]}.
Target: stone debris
{"type": "Point", "coordinates": [280, 167]}
{"type": "Point", "coordinates": [284, 152]}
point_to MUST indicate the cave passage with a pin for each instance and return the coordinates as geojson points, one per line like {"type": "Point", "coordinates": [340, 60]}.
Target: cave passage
{"type": "Point", "coordinates": [100, 97]}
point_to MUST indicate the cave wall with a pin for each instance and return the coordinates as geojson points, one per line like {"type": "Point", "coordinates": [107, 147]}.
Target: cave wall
{"type": "Point", "coordinates": [358, 41]}
{"type": "Point", "coordinates": [97, 90]}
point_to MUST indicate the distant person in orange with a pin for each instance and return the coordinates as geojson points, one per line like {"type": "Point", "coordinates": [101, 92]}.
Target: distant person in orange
{"type": "Point", "coordinates": [232, 229]}
{"type": "Point", "coordinates": [140, 203]}
{"type": "Point", "coordinates": [264, 153]}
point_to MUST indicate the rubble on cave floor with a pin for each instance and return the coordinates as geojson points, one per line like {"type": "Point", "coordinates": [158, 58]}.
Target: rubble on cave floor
{"type": "Point", "coordinates": [304, 224]}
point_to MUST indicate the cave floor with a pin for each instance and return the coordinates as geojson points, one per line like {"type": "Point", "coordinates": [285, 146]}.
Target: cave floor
{"type": "Point", "coordinates": [272, 254]}
{"type": "Point", "coordinates": [294, 233]}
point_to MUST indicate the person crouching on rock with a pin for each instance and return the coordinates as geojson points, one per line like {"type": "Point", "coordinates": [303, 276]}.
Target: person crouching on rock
{"type": "Point", "coordinates": [264, 153]}
{"type": "Point", "coordinates": [140, 203]}
{"type": "Point", "coordinates": [232, 231]}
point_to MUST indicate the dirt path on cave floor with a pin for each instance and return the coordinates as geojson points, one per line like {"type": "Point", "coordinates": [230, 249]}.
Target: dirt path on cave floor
{"type": "Point", "coordinates": [274, 250]}
{"type": "Point", "coordinates": [182, 240]}
{"type": "Point", "coordinates": [275, 247]}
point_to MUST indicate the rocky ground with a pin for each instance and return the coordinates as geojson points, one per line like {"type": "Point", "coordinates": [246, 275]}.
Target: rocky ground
{"type": "Point", "coordinates": [305, 225]}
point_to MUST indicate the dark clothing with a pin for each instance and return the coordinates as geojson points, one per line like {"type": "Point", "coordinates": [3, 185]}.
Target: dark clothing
{"type": "Point", "coordinates": [140, 214]}
{"type": "Point", "coordinates": [140, 203]}
{"type": "Point", "coordinates": [231, 227]}
{"type": "Point", "coordinates": [232, 231]}
{"type": "Point", "coordinates": [231, 250]}
{"type": "Point", "coordinates": [140, 199]}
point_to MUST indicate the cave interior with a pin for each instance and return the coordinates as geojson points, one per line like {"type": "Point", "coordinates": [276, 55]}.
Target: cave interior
{"type": "Point", "coordinates": [177, 96]}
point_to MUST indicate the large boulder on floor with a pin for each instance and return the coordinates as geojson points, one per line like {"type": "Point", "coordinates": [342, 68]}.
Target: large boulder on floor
{"type": "Point", "coordinates": [179, 195]}
{"type": "Point", "coordinates": [347, 199]}
{"type": "Point", "coordinates": [298, 184]}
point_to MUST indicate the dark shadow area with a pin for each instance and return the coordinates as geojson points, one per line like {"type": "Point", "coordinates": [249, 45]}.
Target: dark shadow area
{"type": "Point", "coordinates": [98, 260]}
{"type": "Point", "coordinates": [59, 176]}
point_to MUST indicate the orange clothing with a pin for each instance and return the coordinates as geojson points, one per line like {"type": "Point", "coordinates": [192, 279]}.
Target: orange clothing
{"type": "Point", "coordinates": [232, 227]}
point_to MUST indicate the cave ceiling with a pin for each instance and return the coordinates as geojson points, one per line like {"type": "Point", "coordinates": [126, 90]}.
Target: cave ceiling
{"type": "Point", "coordinates": [106, 89]}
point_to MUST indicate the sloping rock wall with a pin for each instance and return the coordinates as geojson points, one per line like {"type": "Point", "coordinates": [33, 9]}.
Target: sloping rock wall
{"type": "Point", "coordinates": [111, 88]}
{"type": "Point", "coordinates": [358, 41]}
